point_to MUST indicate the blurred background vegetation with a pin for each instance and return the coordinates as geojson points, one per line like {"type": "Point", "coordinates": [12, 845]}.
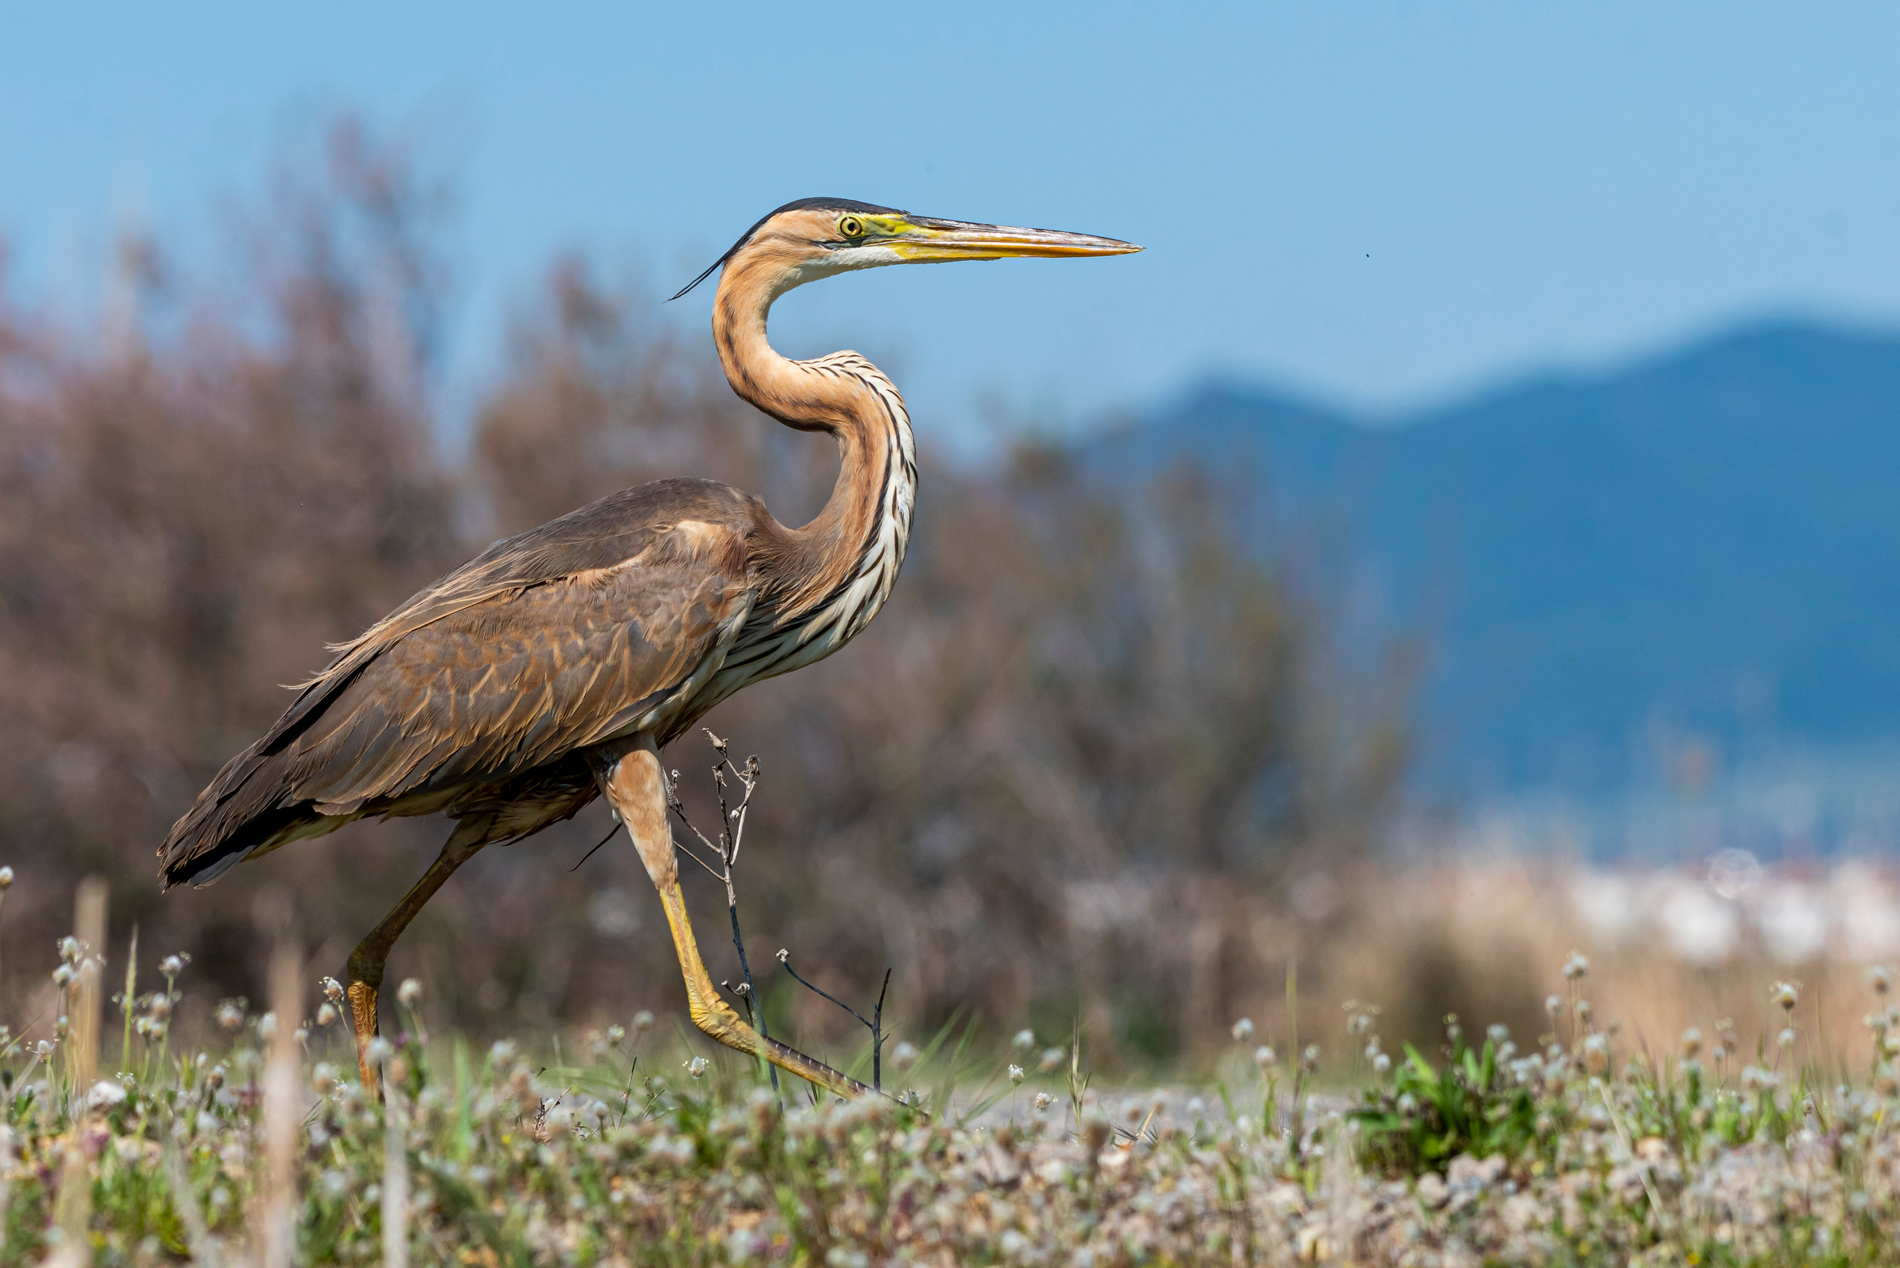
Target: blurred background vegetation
{"type": "Point", "coordinates": [1095, 764]}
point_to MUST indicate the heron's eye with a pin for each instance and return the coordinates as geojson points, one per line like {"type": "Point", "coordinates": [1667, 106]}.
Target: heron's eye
{"type": "Point", "coordinates": [850, 226]}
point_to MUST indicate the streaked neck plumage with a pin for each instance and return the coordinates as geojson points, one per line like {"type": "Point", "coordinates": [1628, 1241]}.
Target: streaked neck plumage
{"type": "Point", "coordinates": [841, 566]}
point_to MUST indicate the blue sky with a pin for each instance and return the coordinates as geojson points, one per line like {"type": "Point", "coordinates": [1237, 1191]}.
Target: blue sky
{"type": "Point", "coordinates": [1381, 203]}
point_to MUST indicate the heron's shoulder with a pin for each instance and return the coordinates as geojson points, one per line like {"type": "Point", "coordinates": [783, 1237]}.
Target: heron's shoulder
{"type": "Point", "coordinates": [668, 522]}
{"type": "Point", "coordinates": [620, 527]}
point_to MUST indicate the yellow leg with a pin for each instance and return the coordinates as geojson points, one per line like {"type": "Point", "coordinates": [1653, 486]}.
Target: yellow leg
{"type": "Point", "coordinates": [630, 775]}
{"type": "Point", "coordinates": [366, 962]}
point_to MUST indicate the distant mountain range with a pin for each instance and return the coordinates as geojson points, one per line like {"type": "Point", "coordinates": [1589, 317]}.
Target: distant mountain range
{"type": "Point", "coordinates": [1606, 566]}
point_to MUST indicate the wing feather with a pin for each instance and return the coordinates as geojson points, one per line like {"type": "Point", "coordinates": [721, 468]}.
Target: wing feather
{"type": "Point", "coordinates": [585, 628]}
{"type": "Point", "coordinates": [431, 707]}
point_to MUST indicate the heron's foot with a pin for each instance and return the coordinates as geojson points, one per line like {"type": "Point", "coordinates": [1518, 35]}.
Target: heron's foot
{"type": "Point", "coordinates": [714, 1016]}
{"type": "Point", "coordinates": [362, 998]}
{"type": "Point", "coordinates": [629, 774]}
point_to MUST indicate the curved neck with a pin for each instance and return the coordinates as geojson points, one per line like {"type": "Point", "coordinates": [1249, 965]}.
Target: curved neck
{"type": "Point", "coordinates": [867, 517]}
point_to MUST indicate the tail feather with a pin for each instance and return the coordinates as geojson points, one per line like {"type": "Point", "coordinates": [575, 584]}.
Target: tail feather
{"type": "Point", "coordinates": [252, 809]}
{"type": "Point", "coordinates": [198, 858]}
{"type": "Point", "coordinates": [236, 818]}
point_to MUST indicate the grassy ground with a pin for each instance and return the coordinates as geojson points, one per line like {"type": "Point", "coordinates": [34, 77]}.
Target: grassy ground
{"type": "Point", "coordinates": [250, 1151]}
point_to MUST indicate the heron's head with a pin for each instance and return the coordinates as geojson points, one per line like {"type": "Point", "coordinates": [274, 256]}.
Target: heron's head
{"type": "Point", "coordinates": [816, 237]}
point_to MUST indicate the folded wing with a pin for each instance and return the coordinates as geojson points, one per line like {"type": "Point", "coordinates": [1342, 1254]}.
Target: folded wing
{"type": "Point", "coordinates": [475, 697]}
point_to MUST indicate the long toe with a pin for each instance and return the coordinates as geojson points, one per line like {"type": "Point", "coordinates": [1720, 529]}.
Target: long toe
{"type": "Point", "coordinates": [786, 1058]}
{"type": "Point", "coordinates": [715, 1018]}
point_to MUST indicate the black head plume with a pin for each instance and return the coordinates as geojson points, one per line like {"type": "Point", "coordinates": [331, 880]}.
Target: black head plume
{"type": "Point", "coordinates": [802, 204]}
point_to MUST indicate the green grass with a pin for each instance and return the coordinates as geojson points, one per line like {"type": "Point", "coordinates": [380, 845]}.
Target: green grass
{"type": "Point", "coordinates": [1572, 1153]}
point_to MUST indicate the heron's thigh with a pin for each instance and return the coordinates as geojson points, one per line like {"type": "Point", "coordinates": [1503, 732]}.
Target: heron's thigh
{"type": "Point", "coordinates": [630, 776]}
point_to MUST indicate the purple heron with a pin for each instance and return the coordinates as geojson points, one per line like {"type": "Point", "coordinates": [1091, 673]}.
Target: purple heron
{"type": "Point", "coordinates": [553, 667]}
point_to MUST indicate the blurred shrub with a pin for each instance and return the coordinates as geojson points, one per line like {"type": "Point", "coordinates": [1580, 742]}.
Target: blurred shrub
{"type": "Point", "coordinates": [1069, 772]}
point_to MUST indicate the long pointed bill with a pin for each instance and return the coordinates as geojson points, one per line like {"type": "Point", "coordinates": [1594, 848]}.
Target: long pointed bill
{"type": "Point", "coordinates": [925, 241]}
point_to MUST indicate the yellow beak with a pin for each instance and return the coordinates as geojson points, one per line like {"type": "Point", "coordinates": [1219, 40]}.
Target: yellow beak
{"type": "Point", "coordinates": [927, 241]}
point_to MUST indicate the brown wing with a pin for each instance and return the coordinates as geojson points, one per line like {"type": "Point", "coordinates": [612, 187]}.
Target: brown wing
{"type": "Point", "coordinates": [477, 688]}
